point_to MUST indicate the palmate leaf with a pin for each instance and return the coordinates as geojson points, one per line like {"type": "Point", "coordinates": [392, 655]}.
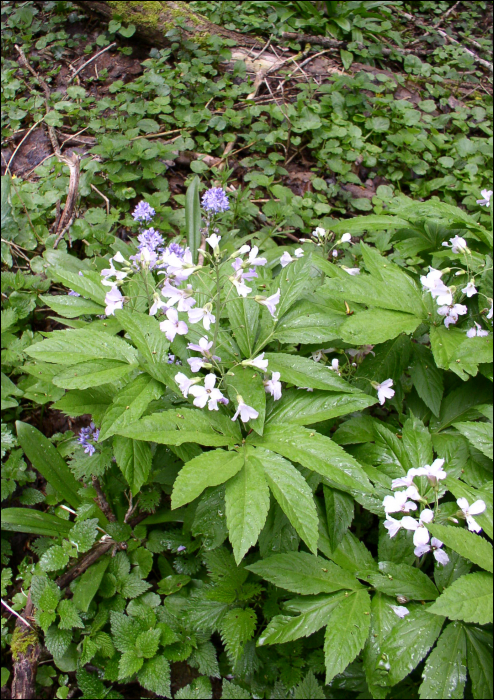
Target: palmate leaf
{"type": "Point", "coordinates": [209, 469]}
{"type": "Point", "coordinates": [401, 579]}
{"type": "Point", "coordinates": [479, 657]}
{"type": "Point", "coordinates": [466, 543]}
{"type": "Point", "coordinates": [469, 599]}
{"type": "Point", "coordinates": [134, 459]}
{"type": "Point", "coordinates": [307, 408]}
{"type": "Point", "coordinates": [383, 619]}
{"type": "Point", "coordinates": [129, 405]}
{"type": "Point", "coordinates": [445, 671]}
{"type": "Point", "coordinates": [301, 371]}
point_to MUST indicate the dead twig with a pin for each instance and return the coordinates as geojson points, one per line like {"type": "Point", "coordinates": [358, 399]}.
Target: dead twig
{"type": "Point", "coordinates": [67, 217]}
{"type": "Point", "coordinates": [153, 136]}
{"type": "Point", "coordinates": [101, 500]}
{"type": "Point", "coordinates": [22, 141]}
{"type": "Point", "coordinates": [103, 197]}
{"type": "Point", "coordinates": [25, 653]}
{"type": "Point", "coordinates": [90, 61]}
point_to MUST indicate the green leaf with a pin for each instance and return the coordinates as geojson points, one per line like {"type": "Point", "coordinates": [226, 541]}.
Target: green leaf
{"type": "Point", "coordinates": [466, 543]}
{"type": "Point", "coordinates": [200, 689]}
{"type": "Point", "coordinates": [53, 559]}
{"type": "Point", "coordinates": [127, 32]}
{"type": "Point", "coordinates": [359, 224]}
{"type": "Point", "coordinates": [390, 361]}
{"type": "Point", "coordinates": [230, 691]}
{"type": "Point", "coordinates": [47, 460]}
{"type": "Point", "coordinates": [417, 443]}
{"type": "Point", "coordinates": [479, 434]}
{"type": "Point", "coordinates": [236, 628]}
{"type": "Point", "coordinates": [83, 534]}
{"type": "Point", "coordinates": [124, 631]}
{"type": "Point", "coordinates": [147, 643]}
{"type": "Point", "coordinates": [445, 671]}
{"type": "Point", "coordinates": [193, 217]}
{"type": "Point", "coordinates": [71, 347]}
{"type": "Point", "coordinates": [300, 371]}
{"type": "Point", "coordinates": [347, 630]}
{"type": "Point", "coordinates": [72, 307]}
{"type": "Point", "coordinates": [401, 579]}
{"type": "Point", "coordinates": [468, 599]}
{"type": "Point", "coordinates": [299, 572]}
{"type": "Point", "coordinates": [88, 284]}
{"type": "Point", "coordinates": [134, 459]}
{"type": "Point", "coordinates": [144, 331]}
{"type": "Point", "coordinates": [89, 583]}
{"type": "Point", "coordinates": [479, 656]}
{"type": "Point", "coordinates": [92, 374]}
{"type": "Point", "coordinates": [129, 405]}
{"type": "Point", "coordinates": [427, 378]}
{"type": "Point", "coordinates": [132, 586]}
{"type": "Point", "coordinates": [209, 469]}
{"type": "Point", "coordinates": [458, 404]}
{"type": "Point", "coordinates": [244, 316]}
{"type": "Point", "coordinates": [294, 280]}
{"type": "Point", "coordinates": [314, 614]}
{"type": "Point", "coordinates": [383, 619]}
{"type": "Point", "coordinates": [69, 617]}
{"type": "Point", "coordinates": [347, 60]}
{"type": "Point", "coordinates": [377, 326]}
{"type": "Point", "coordinates": [308, 322]}
{"type": "Point", "coordinates": [316, 452]}
{"type": "Point", "coordinates": [339, 513]}
{"type": "Point", "coordinates": [306, 408]}
{"type": "Point", "coordinates": [155, 676]}
{"type": "Point", "coordinates": [409, 642]}
{"type": "Point", "coordinates": [247, 505]}
{"type": "Point", "coordinates": [57, 640]}
{"type": "Point", "coordinates": [204, 658]}
{"type": "Point", "coordinates": [35, 522]}
{"type": "Point", "coordinates": [129, 664]}
{"type": "Point", "coordinates": [293, 495]}
{"type": "Point", "coordinates": [247, 383]}
{"type": "Point", "coordinates": [92, 401]}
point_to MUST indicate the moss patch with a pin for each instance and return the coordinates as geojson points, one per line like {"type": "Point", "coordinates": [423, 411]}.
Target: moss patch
{"type": "Point", "coordinates": [21, 640]}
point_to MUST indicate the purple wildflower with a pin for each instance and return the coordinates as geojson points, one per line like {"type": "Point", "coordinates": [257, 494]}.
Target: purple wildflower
{"type": "Point", "coordinates": [215, 200]}
{"type": "Point", "coordinates": [73, 294]}
{"type": "Point", "coordinates": [181, 548]}
{"type": "Point", "coordinates": [150, 239]}
{"type": "Point", "coordinates": [176, 249]}
{"type": "Point", "coordinates": [86, 434]}
{"type": "Point", "coordinates": [143, 212]}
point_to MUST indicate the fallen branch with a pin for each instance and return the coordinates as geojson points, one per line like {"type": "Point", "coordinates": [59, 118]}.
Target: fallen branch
{"type": "Point", "coordinates": [25, 654]}
{"type": "Point", "coordinates": [107, 48]}
{"type": "Point", "coordinates": [336, 44]}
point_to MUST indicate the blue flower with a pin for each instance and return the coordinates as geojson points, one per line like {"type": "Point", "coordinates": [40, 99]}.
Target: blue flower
{"type": "Point", "coordinates": [143, 212]}
{"type": "Point", "coordinates": [215, 200]}
{"type": "Point", "coordinates": [150, 239]}
{"type": "Point", "coordinates": [86, 434]}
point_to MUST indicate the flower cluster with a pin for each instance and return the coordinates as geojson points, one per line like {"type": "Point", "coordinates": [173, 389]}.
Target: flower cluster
{"type": "Point", "coordinates": [215, 201]}
{"type": "Point", "coordinates": [444, 295]}
{"type": "Point", "coordinates": [87, 434]}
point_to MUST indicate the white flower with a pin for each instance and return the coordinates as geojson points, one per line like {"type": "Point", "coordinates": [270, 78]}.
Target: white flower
{"type": "Point", "coordinates": [182, 296]}
{"type": "Point", "coordinates": [421, 534]}
{"type": "Point", "coordinates": [204, 315]}
{"type": "Point", "coordinates": [317, 355]}
{"type": "Point", "coordinates": [335, 365]}
{"type": "Point", "coordinates": [196, 363]}
{"type": "Point", "coordinates": [335, 253]}
{"type": "Point", "coordinates": [384, 391]}
{"type": "Point", "coordinates": [214, 241]}
{"type": "Point", "coordinates": [486, 198]}
{"type": "Point", "coordinates": [172, 326]}
{"type": "Point", "coordinates": [436, 286]}
{"type": "Point", "coordinates": [435, 471]}
{"type": "Point", "coordinates": [112, 272]}
{"type": "Point", "coordinates": [392, 525]}
{"type": "Point", "coordinates": [180, 268]}
{"type": "Point", "coordinates": [299, 253]}
{"type": "Point", "coordinates": [270, 302]}
{"type": "Point", "coordinates": [157, 305]}
{"type": "Point", "coordinates": [407, 480]}
{"type": "Point", "coordinates": [470, 290]}
{"type": "Point", "coordinates": [258, 362]}
{"type": "Point", "coordinates": [452, 313]}
{"type": "Point", "coordinates": [319, 233]}
{"type": "Point", "coordinates": [285, 259]}
{"type": "Point", "coordinates": [119, 257]}
{"type": "Point", "coordinates": [400, 610]}
{"type": "Point", "coordinates": [184, 383]}
{"type": "Point", "coordinates": [477, 331]}
{"type": "Point", "coordinates": [434, 547]}
{"type": "Point", "coordinates": [491, 311]}
{"type": "Point", "coordinates": [273, 386]}
{"type": "Point", "coordinates": [468, 510]}
{"type": "Point", "coordinates": [457, 244]}
{"type": "Point", "coordinates": [204, 346]}
{"type": "Point", "coordinates": [346, 238]}
{"type": "Point", "coordinates": [113, 300]}
{"type": "Point", "coordinates": [399, 503]}
{"type": "Point", "coordinates": [353, 271]}
{"type": "Point", "coordinates": [253, 259]}
{"type": "Point", "coordinates": [247, 413]}
{"type": "Point", "coordinates": [207, 394]}
{"type": "Point", "coordinates": [242, 289]}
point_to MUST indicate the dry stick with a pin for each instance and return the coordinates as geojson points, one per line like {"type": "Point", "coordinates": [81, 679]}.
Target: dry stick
{"type": "Point", "coordinates": [153, 136]}
{"type": "Point", "coordinates": [22, 141]}
{"type": "Point", "coordinates": [103, 196]}
{"type": "Point", "coordinates": [81, 566]}
{"type": "Point", "coordinates": [25, 654]}
{"type": "Point", "coordinates": [67, 217]}
{"type": "Point", "coordinates": [101, 500]}
{"type": "Point", "coordinates": [336, 44]}
{"type": "Point", "coordinates": [90, 60]}
{"type": "Point", "coordinates": [300, 66]}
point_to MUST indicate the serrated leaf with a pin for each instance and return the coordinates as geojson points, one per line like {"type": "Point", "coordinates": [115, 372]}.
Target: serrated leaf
{"type": "Point", "coordinates": [308, 322]}
{"type": "Point", "coordinates": [147, 643]}
{"type": "Point", "coordinates": [129, 664]}
{"type": "Point", "coordinates": [83, 534]}
{"type": "Point", "coordinates": [301, 371]}
{"type": "Point", "coordinates": [479, 656]}
{"type": "Point", "coordinates": [401, 579]}
{"type": "Point", "coordinates": [146, 335]}
{"type": "Point", "coordinates": [383, 619]}
{"type": "Point", "coordinates": [71, 347]}
{"type": "Point", "coordinates": [466, 543]}
{"type": "Point", "coordinates": [134, 459]}
{"type": "Point", "coordinates": [131, 586]}
{"type": "Point", "coordinates": [209, 469]}
{"type": "Point", "coordinates": [244, 315]}
{"type": "Point", "coordinates": [124, 631]}
{"type": "Point", "coordinates": [90, 685]}
{"type": "Point", "coordinates": [304, 573]}
{"type": "Point", "coordinates": [69, 617]}
{"type": "Point", "coordinates": [457, 566]}
{"type": "Point", "coordinates": [92, 374]}
{"type": "Point", "coordinates": [129, 405]}
{"type": "Point", "coordinates": [293, 281]}
{"type": "Point", "coordinates": [71, 307]}
{"type": "Point", "coordinates": [155, 676]}
{"type": "Point", "coordinates": [468, 599]}
{"type": "Point", "coordinates": [247, 382]}
{"type": "Point", "coordinates": [230, 691]}
{"type": "Point", "coordinates": [427, 378]}
{"type": "Point", "coordinates": [237, 627]}
{"type": "Point", "coordinates": [293, 495]}
{"type": "Point", "coordinates": [199, 689]}
{"type": "Point", "coordinates": [376, 326]}
{"type": "Point", "coordinates": [346, 632]}
{"type": "Point", "coordinates": [204, 658]}
{"type": "Point", "coordinates": [306, 408]}
{"type": "Point", "coordinates": [479, 434]}
{"type": "Point", "coordinates": [309, 689]}
{"type": "Point", "coordinates": [339, 513]}
{"type": "Point", "coordinates": [88, 284]}
{"type": "Point", "coordinates": [57, 640]}
{"type": "Point", "coordinates": [53, 559]}
{"type": "Point", "coordinates": [247, 504]}
{"type": "Point", "coordinates": [445, 671]}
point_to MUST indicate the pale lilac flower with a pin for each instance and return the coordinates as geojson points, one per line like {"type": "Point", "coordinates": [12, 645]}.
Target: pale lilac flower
{"type": "Point", "coordinates": [434, 547]}
{"type": "Point", "coordinates": [452, 313]}
{"type": "Point", "coordinates": [182, 296]}
{"type": "Point", "coordinates": [319, 233]}
{"type": "Point", "coordinates": [436, 286]}
{"type": "Point", "coordinates": [421, 534]}
{"type": "Point", "coordinates": [335, 253]}
{"type": "Point", "coordinates": [491, 311]}
{"type": "Point", "coordinates": [247, 413]}
{"type": "Point", "coordinates": [196, 363]}
{"type": "Point", "coordinates": [253, 259]}
{"type": "Point", "coordinates": [392, 525]}
{"type": "Point", "coordinates": [346, 238]}
{"type": "Point", "coordinates": [384, 391]}
{"type": "Point", "coordinates": [214, 241]}
{"type": "Point", "coordinates": [406, 481]}
{"type": "Point", "coordinates": [113, 300]}
{"type": "Point", "coordinates": [299, 253]}
{"type": "Point", "coordinates": [399, 503]}
{"type": "Point", "coordinates": [215, 200]}
{"type": "Point", "coordinates": [112, 272]}
{"type": "Point", "coordinates": [486, 198]}
{"type": "Point", "coordinates": [73, 294]}
{"type": "Point", "coordinates": [270, 302]}
{"type": "Point", "coordinates": [353, 271]}
{"type": "Point", "coordinates": [335, 365]}
{"type": "Point", "coordinates": [477, 331]}
{"type": "Point", "coordinates": [468, 510]}
{"type": "Point", "coordinates": [173, 326]}
{"type": "Point", "coordinates": [202, 314]}
{"type": "Point", "coordinates": [457, 245]}
{"type": "Point", "coordinates": [400, 610]}
{"type": "Point", "coordinates": [470, 290]}
{"type": "Point", "coordinates": [273, 386]}
{"type": "Point", "coordinates": [361, 352]}
{"type": "Point", "coordinates": [143, 212]}
{"type": "Point", "coordinates": [435, 471]}
{"type": "Point", "coordinates": [242, 289]}
{"type": "Point", "coordinates": [317, 355]}
{"type": "Point", "coordinates": [184, 383]}
{"type": "Point", "coordinates": [145, 259]}
{"type": "Point", "coordinates": [258, 362]}
{"type": "Point", "coordinates": [204, 347]}
{"type": "Point", "coordinates": [181, 548]}
{"type": "Point", "coordinates": [286, 259]}
{"type": "Point", "coordinates": [157, 305]}
{"type": "Point", "coordinates": [207, 394]}
{"type": "Point", "coordinates": [150, 238]}
{"type": "Point", "coordinates": [86, 434]}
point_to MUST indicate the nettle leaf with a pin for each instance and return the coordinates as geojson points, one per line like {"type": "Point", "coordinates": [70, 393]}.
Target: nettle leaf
{"type": "Point", "coordinates": [71, 347]}
{"type": "Point", "coordinates": [306, 408]}
{"type": "Point", "coordinates": [236, 628]}
{"type": "Point", "coordinates": [346, 632]}
{"type": "Point", "coordinates": [200, 689]}
{"type": "Point", "coordinates": [247, 505]}
{"type": "Point", "coordinates": [293, 495]}
{"type": "Point", "coordinates": [466, 543]}
{"type": "Point", "coordinates": [83, 534]}
{"type": "Point", "coordinates": [129, 405]}
{"type": "Point", "coordinates": [247, 382]}
{"type": "Point", "coordinates": [315, 452]}
{"type": "Point", "coordinates": [468, 599]}
{"type": "Point", "coordinates": [129, 664]}
{"type": "Point", "coordinates": [155, 676]}
{"type": "Point", "coordinates": [208, 469]}
{"type": "Point", "coordinates": [204, 658]}
{"type": "Point", "coordinates": [300, 371]}
{"type": "Point", "coordinates": [57, 641]}
{"type": "Point", "coordinates": [479, 656]}
{"type": "Point", "coordinates": [92, 374]}
{"type": "Point", "coordinates": [230, 691]}
{"type": "Point", "coordinates": [53, 559]}
{"type": "Point", "coordinates": [309, 689]}
{"type": "Point", "coordinates": [445, 671]}
{"type": "Point", "coordinates": [134, 459]}
{"type": "Point", "coordinates": [69, 617]}
{"type": "Point", "coordinates": [147, 643]}
{"type": "Point", "coordinates": [401, 579]}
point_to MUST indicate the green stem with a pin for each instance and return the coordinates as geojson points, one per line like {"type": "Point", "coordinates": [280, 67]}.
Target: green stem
{"type": "Point", "coordinates": [218, 307]}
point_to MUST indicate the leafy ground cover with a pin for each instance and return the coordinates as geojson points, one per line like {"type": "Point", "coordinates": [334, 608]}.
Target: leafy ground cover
{"type": "Point", "coordinates": [247, 354]}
